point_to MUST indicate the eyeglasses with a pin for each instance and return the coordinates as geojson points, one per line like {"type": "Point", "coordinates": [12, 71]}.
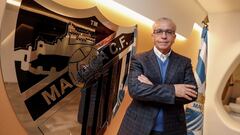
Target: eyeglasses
{"type": "Point", "coordinates": [160, 32]}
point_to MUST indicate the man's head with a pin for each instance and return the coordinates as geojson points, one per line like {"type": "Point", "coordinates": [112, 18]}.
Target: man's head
{"type": "Point", "coordinates": [164, 34]}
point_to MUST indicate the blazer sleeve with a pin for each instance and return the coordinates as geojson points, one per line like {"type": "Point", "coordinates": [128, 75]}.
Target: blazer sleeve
{"type": "Point", "coordinates": [161, 93]}
{"type": "Point", "coordinates": [188, 79]}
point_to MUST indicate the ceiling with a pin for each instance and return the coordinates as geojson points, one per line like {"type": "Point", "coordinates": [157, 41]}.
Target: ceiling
{"type": "Point", "coordinates": [220, 6]}
{"type": "Point", "coordinates": [184, 12]}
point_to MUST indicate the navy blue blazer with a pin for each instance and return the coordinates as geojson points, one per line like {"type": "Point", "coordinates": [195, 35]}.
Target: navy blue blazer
{"type": "Point", "coordinates": [147, 99]}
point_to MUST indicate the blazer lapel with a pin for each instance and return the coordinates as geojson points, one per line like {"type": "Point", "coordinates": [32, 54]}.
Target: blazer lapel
{"type": "Point", "coordinates": [152, 62]}
{"type": "Point", "coordinates": [172, 67]}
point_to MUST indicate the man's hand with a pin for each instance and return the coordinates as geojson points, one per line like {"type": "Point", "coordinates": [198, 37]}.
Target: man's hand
{"type": "Point", "coordinates": [144, 79]}
{"type": "Point", "coordinates": [185, 91]}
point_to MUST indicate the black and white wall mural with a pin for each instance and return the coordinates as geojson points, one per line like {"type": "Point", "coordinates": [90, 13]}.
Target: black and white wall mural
{"type": "Point", "coordinates": [64, 69]}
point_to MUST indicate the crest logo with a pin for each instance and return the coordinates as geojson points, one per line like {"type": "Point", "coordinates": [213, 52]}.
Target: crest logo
{"type": "Point", "coordinates": [56, 57]}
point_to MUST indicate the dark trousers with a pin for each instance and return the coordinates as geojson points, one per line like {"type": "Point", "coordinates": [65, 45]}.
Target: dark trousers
{"type": "Point", "coordinates": [156, 133]}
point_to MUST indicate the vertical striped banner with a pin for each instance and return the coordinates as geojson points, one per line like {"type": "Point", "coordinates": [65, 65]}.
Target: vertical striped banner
{"type": "Point", "coordinates": [194, 110]}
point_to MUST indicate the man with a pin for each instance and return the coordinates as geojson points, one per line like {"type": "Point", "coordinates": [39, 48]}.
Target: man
{"type": "Point", "coordinates": [160, 83]}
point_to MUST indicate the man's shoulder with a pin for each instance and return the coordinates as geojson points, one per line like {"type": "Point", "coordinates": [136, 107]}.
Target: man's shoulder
{"type": "Point", "coordinates": [143, 55]}
{"type": "Point", "coordinates": [181, 57]}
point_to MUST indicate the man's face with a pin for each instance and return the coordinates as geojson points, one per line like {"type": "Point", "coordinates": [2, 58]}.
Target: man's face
{"type": "Point", "coordinates": [163, 35]}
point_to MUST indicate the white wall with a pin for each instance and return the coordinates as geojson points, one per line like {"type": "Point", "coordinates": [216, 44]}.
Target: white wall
{"type": "Point", "coordinates": [184, 12]}
{"type": "Point", "coordinates": [2, 7]}
{"type": "Point", "coordinates": [223, 59]}
{"type": "Point", "coordinates": [9, 123]}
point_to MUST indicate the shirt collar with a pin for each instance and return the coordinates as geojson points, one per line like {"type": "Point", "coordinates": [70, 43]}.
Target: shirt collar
{"type": "Point", "coordinates": [160, 55]}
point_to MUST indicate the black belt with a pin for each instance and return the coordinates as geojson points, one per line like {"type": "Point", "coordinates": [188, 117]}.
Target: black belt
{"type": "Point", "coordinates": [156, 133]}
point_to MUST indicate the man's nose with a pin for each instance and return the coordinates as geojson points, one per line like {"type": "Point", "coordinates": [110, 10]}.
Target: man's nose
{"type": "Point", "coordinates": [164, 35]}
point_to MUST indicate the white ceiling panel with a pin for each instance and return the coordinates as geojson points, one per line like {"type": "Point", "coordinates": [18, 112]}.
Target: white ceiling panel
{"type": "Point", "coordinates": [184, 12]}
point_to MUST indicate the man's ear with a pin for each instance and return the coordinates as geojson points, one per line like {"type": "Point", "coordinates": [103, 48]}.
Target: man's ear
{"type": "Point", "coordinates": [175, 36]}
